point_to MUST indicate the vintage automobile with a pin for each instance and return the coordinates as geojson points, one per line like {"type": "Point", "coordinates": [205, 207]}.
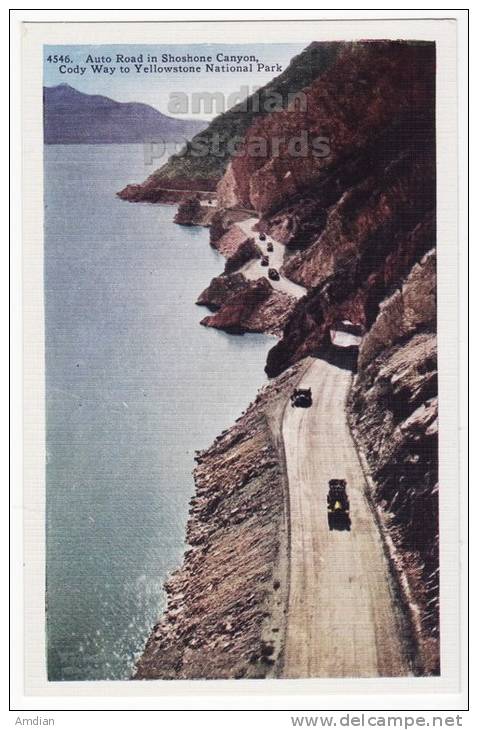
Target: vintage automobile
{"type": "Point", "coordinates": [301, 398]}
{"type": "Point", "coordinates": [270, 246]}
{"type": "Point", "coordinates": [262, 236]}
{"type": "Point", "coordinates": [338, 505]}
{"type": "Point", "coordinates": [274, 274]}
{"type": "Point", "coordinates": [265, 261]}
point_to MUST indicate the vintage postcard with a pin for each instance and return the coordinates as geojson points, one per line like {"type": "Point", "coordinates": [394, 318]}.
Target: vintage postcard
{"type": "Point", "coordinates": [240, 246]}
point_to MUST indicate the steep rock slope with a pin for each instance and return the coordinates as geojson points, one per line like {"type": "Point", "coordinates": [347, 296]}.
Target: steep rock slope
{"type": "Point", "coordinates": [394, 409]}
{"type": "Point", "coordinates": [371, 88]}
{"type": "Point", "coordinates": [226, 607]}
{"type": "Point", "coordinates": [357, 220]}
{"type": "Point", "coordinates": [359, 226]}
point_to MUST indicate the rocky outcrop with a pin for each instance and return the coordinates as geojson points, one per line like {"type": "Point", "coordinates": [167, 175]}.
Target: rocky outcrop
{"type": "Point", "coordinates": [410, 309]}
{"type": "Point", "coordinates": [354, 291]}
{"type": "Point", "coordinates": [357, 219]}
{"type": "Point", "coordinates": [191, 213]}
{"type": "Point", "coordinates": [226, 606]}
{"type": "Point", "coordinates": [220, 290]}
{"type": "Point", "coordinates": [225, 236]}
{"type": "Point", "coordinates": [169, 192]}
{"type": "Point", "coordinates": [255, 307]}
{"type": "Point", "coordinates": [373, 222]}
{"type": "Point", "coordinates": [394, 411]}
{"type": "Point", "coordinates": [244, 305]}
{"type": "Point", "coordinates": [246, 251]}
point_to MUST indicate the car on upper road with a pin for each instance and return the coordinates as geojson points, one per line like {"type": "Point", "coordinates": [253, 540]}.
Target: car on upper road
{"type": "Point", "coordinates": [274, 274]}
{"type": "Point", "coordinates": [262, 236]}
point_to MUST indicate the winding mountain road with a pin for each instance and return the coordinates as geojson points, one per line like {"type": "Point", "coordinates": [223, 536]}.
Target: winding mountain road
{"type": "Point", "coordinates": [342, 617]}
{"type": "Point", "coordinates": [254, 270]}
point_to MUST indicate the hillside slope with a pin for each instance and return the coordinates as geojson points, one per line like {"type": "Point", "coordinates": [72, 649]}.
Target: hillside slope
{"type": "Point", "coordinates": [72, 117]}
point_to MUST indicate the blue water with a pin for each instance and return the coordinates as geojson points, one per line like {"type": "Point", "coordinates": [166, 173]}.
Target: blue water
{"type": "Point", "coordinates": [134, 386]}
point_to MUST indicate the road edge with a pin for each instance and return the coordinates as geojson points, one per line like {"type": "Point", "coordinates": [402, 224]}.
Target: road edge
{"type": "Point", "coordinates": [305, 369]}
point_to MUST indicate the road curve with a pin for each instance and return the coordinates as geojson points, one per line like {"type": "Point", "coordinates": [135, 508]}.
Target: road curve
{"type": "Point", "coordinates": [254, 270]}
{"type": "Point", "coordinates": [342, 618]}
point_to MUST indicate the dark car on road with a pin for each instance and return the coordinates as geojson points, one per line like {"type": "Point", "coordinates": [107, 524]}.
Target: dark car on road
{"type": "Point", "coordinates": [274, 275]}
{"type": "Point", "coordinates": [262, 236]}
{"type": "Point", "coordinates": [301, 398]}
{"type": "Point", "coordinates": [265, 261]}
{"type": "Point", "coordinates": [338, 505]}
{"type": "Point", "coordinates": [270, 246]}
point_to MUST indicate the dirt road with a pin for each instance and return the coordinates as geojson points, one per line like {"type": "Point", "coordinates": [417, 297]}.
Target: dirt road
{"type": "Point", "coordinates": [254, 270]}
{"type": "Point", "coordinates": [342, 619]}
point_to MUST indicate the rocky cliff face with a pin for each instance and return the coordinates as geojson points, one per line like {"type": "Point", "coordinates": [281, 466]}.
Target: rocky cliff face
{"type": "Point", "coordinates": [359, 224]}
{"type": "Point", "coordinates": [354, 290]}
{"type": "Point", "coordinates": [376, 96]}
{"type": "Point", "coordinates": [172, 192]}
{"type": "Point", "coordinates": [394, 410]}
{"type": "Point", "coordinates": [246, 251]}
{"type": "Point", "coordinates": [226, 604]}
{"type": "Point", "coordinates": [240, 304]}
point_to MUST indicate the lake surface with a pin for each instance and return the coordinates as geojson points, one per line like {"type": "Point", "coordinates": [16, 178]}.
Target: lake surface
{"type": "Point", "coordinates": [134, 386]}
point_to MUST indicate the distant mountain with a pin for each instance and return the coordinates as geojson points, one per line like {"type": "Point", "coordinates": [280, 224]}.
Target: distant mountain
{"type": "Point", "coordinates": [72, 117]}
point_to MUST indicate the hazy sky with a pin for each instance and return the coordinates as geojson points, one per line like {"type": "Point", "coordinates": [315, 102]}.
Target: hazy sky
{"type": "Point", "coordinates": [155, 88]}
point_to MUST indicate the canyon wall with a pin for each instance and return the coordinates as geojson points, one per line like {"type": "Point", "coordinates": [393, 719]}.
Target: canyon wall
{"type": "Point", "coordinates": [394, 411]}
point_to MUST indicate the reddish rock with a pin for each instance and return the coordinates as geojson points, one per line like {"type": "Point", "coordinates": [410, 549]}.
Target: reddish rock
{"type": "Point", "coordinates": [354, 292]}
{"type": "Point", "coordinates": [370, 87]}
{"type": "Point", "coordinates": [220, 290]}
{"type": "Point", "coordinates": [156, 189]}
{"type": "Point", "coordinates": [254, 308]}
{"type": "Point", "coordinates": [246, 251]}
